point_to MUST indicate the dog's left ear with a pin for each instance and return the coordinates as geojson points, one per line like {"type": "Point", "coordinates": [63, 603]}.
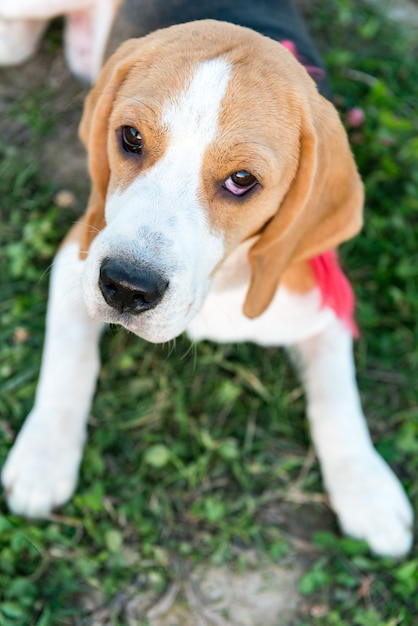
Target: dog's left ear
{"type": "Point", "coordinates": [321, 209]}
{"type": "Point", "coordinates": [93, 132]}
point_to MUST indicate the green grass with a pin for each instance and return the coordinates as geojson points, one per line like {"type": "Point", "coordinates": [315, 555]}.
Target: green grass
{"type": "Point", "coordinates": [193, 449]}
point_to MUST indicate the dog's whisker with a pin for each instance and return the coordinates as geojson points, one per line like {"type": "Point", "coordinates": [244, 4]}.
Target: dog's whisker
{"type": "Point", "coordinates": [46, 271]}
{"type": "Point", "coordinates": [91, 227]}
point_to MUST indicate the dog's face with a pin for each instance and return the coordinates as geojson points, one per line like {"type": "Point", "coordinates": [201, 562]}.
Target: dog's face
{"type": "Point", "coordinates": [201, 136]}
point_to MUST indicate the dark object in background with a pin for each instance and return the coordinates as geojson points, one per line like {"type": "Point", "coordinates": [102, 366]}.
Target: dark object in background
{"type": "Point", "coordinates": [278, 19]}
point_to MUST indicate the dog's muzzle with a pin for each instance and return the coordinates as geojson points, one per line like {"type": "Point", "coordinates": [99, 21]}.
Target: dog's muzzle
{"type": "Point", "coordinates": [128, 288]}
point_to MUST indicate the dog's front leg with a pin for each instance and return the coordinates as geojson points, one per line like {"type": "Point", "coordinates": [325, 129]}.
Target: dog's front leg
{"type": "Point", "coordinates": [42, 467]}
{"type": "Point", "coordinates": [367, 497]}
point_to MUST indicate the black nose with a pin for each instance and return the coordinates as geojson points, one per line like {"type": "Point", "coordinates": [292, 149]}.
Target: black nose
{"type": "Point", "coordinates": [129, 288]}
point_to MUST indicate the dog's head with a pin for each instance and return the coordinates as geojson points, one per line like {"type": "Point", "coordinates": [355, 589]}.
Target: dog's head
{"type": "Point", "coordinates": [199, 137]}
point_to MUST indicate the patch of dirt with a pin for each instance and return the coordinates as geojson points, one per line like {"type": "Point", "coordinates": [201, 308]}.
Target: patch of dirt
{"type": "Point", "coordinates": [266, 595]}
{"type": "Point", "coordinates": [210, 596]}
{"type": "Point", "coordinates": [42, 92]}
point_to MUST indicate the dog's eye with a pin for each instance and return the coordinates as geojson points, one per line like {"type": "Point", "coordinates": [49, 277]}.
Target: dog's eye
{"type": "Point", "coordinates": [240, 182]}
{"type": "Point", "coordinates": [131, 139]}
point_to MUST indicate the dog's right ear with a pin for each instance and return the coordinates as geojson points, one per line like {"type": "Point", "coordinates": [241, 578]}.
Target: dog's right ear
{"type": "Point", "coordinates": [93, 131]}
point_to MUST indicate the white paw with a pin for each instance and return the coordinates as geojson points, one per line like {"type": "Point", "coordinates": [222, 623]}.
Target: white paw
{"type": "Point", "coordinates": [42, 467]}
{"type": "Point", "coordinates": [371, 504]}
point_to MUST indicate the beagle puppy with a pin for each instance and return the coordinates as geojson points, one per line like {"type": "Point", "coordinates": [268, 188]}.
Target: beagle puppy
{"type": "Point", "coordinates": [222, 184]}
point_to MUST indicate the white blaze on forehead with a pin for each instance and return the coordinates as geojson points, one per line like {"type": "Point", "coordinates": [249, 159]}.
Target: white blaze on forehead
{"type": "Point", "coordinates": [194, 114]}
{"type": "Point", "coordinates": [190, 119]}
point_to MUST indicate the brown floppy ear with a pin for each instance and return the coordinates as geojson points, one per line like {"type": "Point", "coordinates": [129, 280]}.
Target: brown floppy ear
{"type": "Point", "coordinates": [322, 208]}
{"type": "Point", "coordinates": [93, 131]}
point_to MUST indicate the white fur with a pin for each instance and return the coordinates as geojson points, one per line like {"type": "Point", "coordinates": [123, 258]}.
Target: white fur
{"type": "Point", "coordinates": [159, 220]}
{"type": "Point", "coordinates": [88, 24]}
{"type": "Point", "coordinates": [289, 318]}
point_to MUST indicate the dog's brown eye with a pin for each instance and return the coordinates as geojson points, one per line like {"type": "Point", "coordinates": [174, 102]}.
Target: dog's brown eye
{"type": "Point", "coordinates": [243, 179]}
{"type": "Point", "coordinates": [240, 182]}
{"type": "Point", "coordinates": [131, 139]}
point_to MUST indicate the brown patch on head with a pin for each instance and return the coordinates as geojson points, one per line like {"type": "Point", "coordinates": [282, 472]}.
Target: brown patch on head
{"type": "Point", "coordinates": [258, 132]}
{"type": "Point", "coordinates": [93, 131]}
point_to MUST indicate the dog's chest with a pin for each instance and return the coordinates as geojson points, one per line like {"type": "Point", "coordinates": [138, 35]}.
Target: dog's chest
{"type": "Point", "coordinates": [290, 318]}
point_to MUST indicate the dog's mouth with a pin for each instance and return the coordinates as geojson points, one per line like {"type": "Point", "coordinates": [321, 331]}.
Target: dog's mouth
{"type": "Point", "coordinates": [157, 325]}
{"type": "Point", "coordinates": [142, 299]}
